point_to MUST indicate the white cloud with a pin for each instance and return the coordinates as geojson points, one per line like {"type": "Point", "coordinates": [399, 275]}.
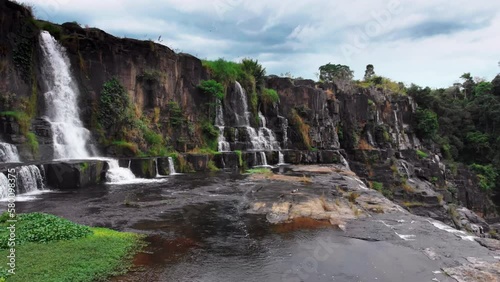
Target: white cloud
{"type": "Point", "coordinates": [430, 42]}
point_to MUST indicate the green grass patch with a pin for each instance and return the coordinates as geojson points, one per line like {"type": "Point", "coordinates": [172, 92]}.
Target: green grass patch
{"type": "Point", "coordinates": [33, 142]}
{"type": "Point", "coordinates": [21, 117]}
{"type": "Point", "coordinates": [259, 171]}
{"type": "Point", "coordinates": [50, 248]}
{"type": "Point", "coordinates": [422, 154]}
{"type": "Point", "coordinates": [240, 157]}
{"type": "Point", "coordinates": [270, 96]}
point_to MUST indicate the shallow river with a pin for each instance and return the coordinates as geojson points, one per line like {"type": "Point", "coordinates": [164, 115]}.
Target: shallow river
{"type": "Point", "coordinates": [198, 230]}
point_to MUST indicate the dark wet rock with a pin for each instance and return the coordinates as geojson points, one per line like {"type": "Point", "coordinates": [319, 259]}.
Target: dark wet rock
{"type": "Point", "coordinates": [143, 167]}
{"type": "Point", "coordinates": [199, 162]}
{"type": "Point", "coordinates": [75, 174]}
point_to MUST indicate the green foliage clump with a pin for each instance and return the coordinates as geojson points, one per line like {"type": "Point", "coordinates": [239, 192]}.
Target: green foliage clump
{"type": "Point", "coordinates": [302, 127]}
{"type": "Point", "coordinates": [329, 72]}
{"type": "Point", "coordinates": [223, 71]}
{"type": "Point", "coordinates": [270, 96]}
{"type": "Point", "coordinates": [32, 142]}
{"type": "Point", "coordinates": [126, 145]}
{"type": "Point", "coordinates": [427, 124]}
{"type": "Point", "coordinates": [378, 186]}
{"type": "Point", "coordinates": [43, 228]}
{"type": "Point", "coordinates": [114, 106]}
{"type": "Point", "coordinates": [210, 134]}
{"type": "Point", "coordinates": [256, 71]}
{"type": "Point", "coordinates": [387, 192]}
{"type": "Point", "coordinates": [422, 154]}
{"type": "Point", "coordinates": [53, 29]}
{"type": "Point", "coordinates": [487, 175]}
{"type": "Point", "coordinates": [21, 118]}
{"type": "Point", "coordinates": [212, 88]}
{"type": "Point", "coordinates": [175, 114]}
{"type": "Point", "coordinates": [211, 166]}
{"type": "Point", "coordinates": [240, 157]}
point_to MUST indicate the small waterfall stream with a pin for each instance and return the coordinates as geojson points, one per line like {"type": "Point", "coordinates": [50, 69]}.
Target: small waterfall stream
{"type": "Point", "coordinates": [8, 153]}
{"type": "Point", "coordinates": [70, 136]}
{"type": "Point", "coordinates": [118, 174]}
{"type": "Point", "coordinates": [29, 181]}
{"type": "Point", "coordinates": [223, 145]}
{"type": "Point", "coordinates": [171, 167]}
{"type": "Point", "coordinates": [281, 158]}
{"type": "Point", "coordinates": [4, 186]}
{"type": "Point", "coordinates": [345, 162]}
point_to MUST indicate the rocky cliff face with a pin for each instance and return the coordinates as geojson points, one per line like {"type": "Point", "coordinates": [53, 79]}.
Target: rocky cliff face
{"type": "Point", "coordinates": [374, 127]}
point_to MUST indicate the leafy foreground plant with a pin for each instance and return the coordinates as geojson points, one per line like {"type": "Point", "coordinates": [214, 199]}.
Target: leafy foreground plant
{"type": "Point", "coordinates": [56, 249]}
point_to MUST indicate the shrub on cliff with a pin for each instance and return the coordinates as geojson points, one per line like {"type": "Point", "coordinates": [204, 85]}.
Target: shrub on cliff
{"type": "Point", "coordinates": [114, 104]}
{"type": "Point", "coordinates": [212, 88]}
{"type": "Point", "coordinates": [487, 175]}
{"type": "Point", "coordinates": [269, 96]}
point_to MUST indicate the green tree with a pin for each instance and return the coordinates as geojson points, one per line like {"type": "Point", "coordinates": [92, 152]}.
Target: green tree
{"type": "Point", "coordinates": [369, 72]}
{"type": "Point", "coordinates": [329, 72]}
{"type": "Point", "coordinates": [253, 68]}
{"type": "Point", "coordinates": [427, 123]}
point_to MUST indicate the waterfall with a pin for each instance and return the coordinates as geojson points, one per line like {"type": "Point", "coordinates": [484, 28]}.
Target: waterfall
{"type": "Point", "coordinates": [157, 170]}
{"type": "Point", "coordinates": [171, 166]}
{"type": "Point", "coordinates": [370, 139]}
{"type": "Point", "coordinates": [29, 179]}
{"type": "Point", "coordinates": [223, 145]}
{"type": "Point", "coordinates": [118, 174]}
{"type": "Point", "coordinates": [8, 153]}
{"type": "Point", "coordinates": [69, 135]}
{"type": "Point", "coordinates": [4, 186]}
{"type": "Point", "coordinates": [261, 139]}
{"type": "Point", "coordinates": [344, 162]}
{"type": "Point", "coordinates": [263, 159]}
{"type": "Point", "coordinates": [396, 127]}
{"type": "Point", "coordinates": [240, 106]}
{"type": "Point", "coordinates": [266, 137]}
{"type": "Point", "coordinates": [281, 158]}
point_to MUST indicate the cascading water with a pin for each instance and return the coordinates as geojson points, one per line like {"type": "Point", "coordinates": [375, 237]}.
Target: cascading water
{"type": "Point", "coordinates": [263, 159]}
{"type": "Point", "coordinates": [156, 167]}
{"type": "Point", "coordinates": [29, 179]}
{"type": "Point", "coordinates": [370, 139]}
{"type": "Point", "coordinates": [4, 186]}
{"type": "Point", "coordinates": [281, 158]}
{"type": "Point", "coordinates": [8, 153]}
{"type": "Point", "coordinates": [223, 145]}
{"type": "Point", "coordinates": [171, 166]}
{"type": "Point", "coordinates": [118, 174]}
{"type": "Point", "coordinates": [344, 162]}
{"type": "Point", "coordinates": [69, 135]}
{"type": "Point", "coordinates": [264, 138]}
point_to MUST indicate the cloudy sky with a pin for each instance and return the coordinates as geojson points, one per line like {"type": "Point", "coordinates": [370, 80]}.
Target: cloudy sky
{"type": "Point", "coordinates": [429, 42]}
